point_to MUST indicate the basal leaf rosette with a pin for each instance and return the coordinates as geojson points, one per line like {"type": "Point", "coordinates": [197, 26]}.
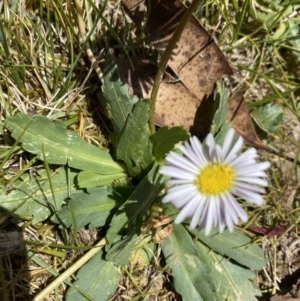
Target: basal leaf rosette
{"type": "Point", "coordinates": [206, 181]}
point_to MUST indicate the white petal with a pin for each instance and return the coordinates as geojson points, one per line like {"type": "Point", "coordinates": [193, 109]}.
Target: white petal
{"type": "Point", "coordinates": [256, 174]}
{"type": "Point", "coordinates": [194, 152]}
{"type": "Point", "coordinates": [219, 222]}
{"type": "Point", "coordinates": [181, 201]}
{"type": "Point", "coordinates": [217, 214]}
{"type": "Point", "coordinates": [236, 148]}
{"type": "Point", "coordinates": [253, 180]}
{"type": "Point", "coordinates": [230, 208]}
{"type": "Point", "coordinates": [227, 143]}
{"type": "Point", "coordinates": [264, 165]}
{"type": "Point", "coordinates": [188, 152]}
{"type": "Point", "coordinates": [177, 173]}
{"type": "Point", "coordinates": [239, 211]}
{"type": "Point", "coordinates": [219, 155]}
{"type": "Point", "coordinates": [247, 170]}
{"type": "Point", "coordinates": [229, 221]}
{"type": "Point", "coordinates": [210, 216]}
{"type": "Point", "coordinates": [231, 217]}
{"type": "Point", "coordinates": [198, 150]}
{"type": "Point", "coordinates": [222, 226]}
{"type": "Point", "coordinates": [181, 162]}
{"type": "Point", "coordinates": [179, 191]}
{"type": "Point", "coordinates": [203, 220]}
{"type": "Point", "coordinates": [244, 158]}
{"type": "Point", "coordinates": [197, 215]}
{"type": "Point", "coordinates": [249, 196]}
{"type": "Point", "coordinates": [211, 144]}
{"type": "Point", "coordinates": [246, 186]}
{"type": "Point", "coordinates": [187, 211]}
{"type": "Point", "coordinates": [179, 182]}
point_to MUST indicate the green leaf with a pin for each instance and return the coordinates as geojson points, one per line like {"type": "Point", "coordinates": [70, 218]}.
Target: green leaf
{"type": "Point", "coordinates": [192, 278]}
{"type": "Point", "coordinates": [233, 282]}
{"type": "Point", "coordinates": [130, 121]}
{"type": "Point", "coordinates": [134, 146]}
{"type": "Point", "coordinates": [98, 279]}
{"type": "Point", "coordinates": [165, 139]}
{"type": "Point", "coordinates": [93, 208]}
{"type": "Point", "coordinates": [88, 179]}
{"type": "Point", "coordinates": [268, 117]}
{"type": "Point", "coordinates": [131, 213]}
{"type": "Point", "coordinates": [33, 196]}
{"type": "Point", "coordinates": [60, 147]}
{"type": "Point", "coordinates": [221, 103]}
{"type": "Point", "coordinates": [234, 245]}
{"type": "Point", "coordinates": [115, 99]}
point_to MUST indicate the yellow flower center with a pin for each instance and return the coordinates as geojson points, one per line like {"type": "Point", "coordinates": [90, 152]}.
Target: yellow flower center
{"type": "Point", "coordinates": [214, 179]}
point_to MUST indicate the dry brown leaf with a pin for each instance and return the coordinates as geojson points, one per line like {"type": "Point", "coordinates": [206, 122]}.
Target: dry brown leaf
{"type": "Point", "coordinates": [196, 60]}
{"type": "Point", "coordinates": [242, 123]}
{"type": "Point", "coordinates": [181, 103]}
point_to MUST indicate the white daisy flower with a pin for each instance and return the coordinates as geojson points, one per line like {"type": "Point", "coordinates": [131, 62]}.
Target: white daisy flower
{"type": "Point", "coordinates": [207, 179]}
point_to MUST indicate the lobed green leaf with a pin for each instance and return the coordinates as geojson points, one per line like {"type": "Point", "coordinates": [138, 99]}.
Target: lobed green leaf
{"type": "Point", "coordinates": [192, 278]}
{"type": "Point", "coordinates": [33, 196]}
{"type": "Point", "coordinates": [134, 146]}
{"type": "Point", "coordinates": [233, 281]}
{"type": "Point", "coordinates": [115, 100]}
{"type": "Point", "coordinates": [92, 208]}
{"type": "Point", "coordinates": [236, 246]}
{"type": "Point", "coordinates": [60, 147]}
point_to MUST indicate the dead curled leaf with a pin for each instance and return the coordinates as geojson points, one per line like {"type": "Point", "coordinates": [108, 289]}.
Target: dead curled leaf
{"type": "Point", "coordinates": [196, 61]}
